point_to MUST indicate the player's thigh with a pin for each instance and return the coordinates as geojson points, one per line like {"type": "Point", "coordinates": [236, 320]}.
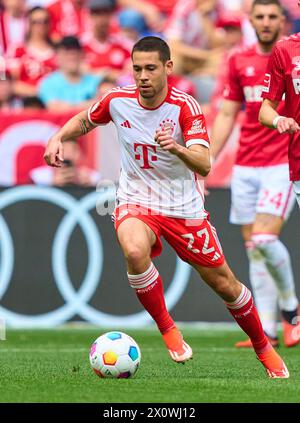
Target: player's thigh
{"type": "Point", "coordinates": [267, 223]}
{"type": "Point", "coordinates": [244, 192]}
{"type": "Point", "coordinates": [276, 196]}
{"type": "Point", "coordinates": [135, 237]}
{"type": "Point", "coordinates": [221, 279]}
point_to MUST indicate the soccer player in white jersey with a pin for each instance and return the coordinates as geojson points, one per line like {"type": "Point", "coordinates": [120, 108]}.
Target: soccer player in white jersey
{"type": "Point", "coordinates": [164, 149]}
{"type": "Point", "coordinates": [261, 192]}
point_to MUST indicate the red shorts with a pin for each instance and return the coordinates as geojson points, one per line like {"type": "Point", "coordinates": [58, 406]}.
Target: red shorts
{"type": "Point", "coordinates": [194, 240]}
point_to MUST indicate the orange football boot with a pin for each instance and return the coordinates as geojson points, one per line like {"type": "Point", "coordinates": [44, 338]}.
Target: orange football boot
{"type": "Point", "coordinates": [178, 349]}
{"type": "Point", "coordinates": [273, 363]}
{"type": "Point", "coordinates": [291, 333]}
{"type": "Point", "coordinates": [248, 344]}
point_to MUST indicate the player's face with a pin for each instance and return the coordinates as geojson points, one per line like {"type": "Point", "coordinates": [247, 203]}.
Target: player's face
{"type": "Point", "coordinates": [150, 73]}
{"type": "Point", "coordinates": [268, 22]}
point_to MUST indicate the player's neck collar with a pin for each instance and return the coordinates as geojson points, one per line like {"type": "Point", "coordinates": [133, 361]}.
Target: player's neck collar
{"type": "Point", "coordinates": [157, 107]}
{"type": "Point", "coordinates": [260, 52]}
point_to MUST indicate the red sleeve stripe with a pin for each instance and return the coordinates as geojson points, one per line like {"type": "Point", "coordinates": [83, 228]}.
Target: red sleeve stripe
{"type": "Point", "coordinates": [184, 100]}
{"type": "Point", "coordinates": [182, 93]}
{"type": "Point", "coordinates": [129, 87]}
{"type": "Point", "coordinates": [189, 100]}
{"type": "Point", "coordinates": [122, 90]}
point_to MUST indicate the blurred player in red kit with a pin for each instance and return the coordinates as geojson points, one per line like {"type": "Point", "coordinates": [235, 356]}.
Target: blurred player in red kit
{"type": "Point", "coordinates": [283, 79]}
{"type": "Point", "coordinates": [262, 196]}
{"type": "Point", "coordinates": [164, 149]}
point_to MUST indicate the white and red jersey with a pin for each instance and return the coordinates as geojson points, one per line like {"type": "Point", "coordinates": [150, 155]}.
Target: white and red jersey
{"type": "Point", "coordinates": [12, 30]}
{"type": "Point", "coordinates": [283, 77]}
{"type": "Point", "coordinates": [30, 63]}
{"type": "Point", "coordinates": [259, 146]}
{"type": "Point", "coordinates": [110, 54]}
{"type": "Point", "coordinates": [151, 177]}
{"type": "Point", "coordinates": [184, 24]}
{"type": "Point", "coordinates": [67, 19]}
{"type": "Point", "coordinates": [165, 6]}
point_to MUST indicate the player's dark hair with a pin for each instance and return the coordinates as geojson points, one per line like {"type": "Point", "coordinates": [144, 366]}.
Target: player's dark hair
{"type": "Point", "coordinates": [266, 3]}
{"type": "Point", "coordinates": [150, 44]}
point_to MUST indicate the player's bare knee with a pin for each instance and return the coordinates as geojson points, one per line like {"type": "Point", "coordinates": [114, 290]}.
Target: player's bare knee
{"type": "Point", "coordinates": [135, 253]}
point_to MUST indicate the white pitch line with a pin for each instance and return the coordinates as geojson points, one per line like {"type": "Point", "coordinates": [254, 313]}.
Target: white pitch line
{"type": "Point", "coordinates": [43, 350]}
{"type": "Point", "coordinates": [72, 350]}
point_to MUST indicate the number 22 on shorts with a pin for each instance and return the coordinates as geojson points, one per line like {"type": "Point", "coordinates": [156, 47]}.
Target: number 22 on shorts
{"type": "Point", "coordinates": [200, 234]}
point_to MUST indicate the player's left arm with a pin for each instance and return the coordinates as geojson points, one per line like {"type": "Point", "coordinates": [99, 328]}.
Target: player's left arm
{"type": "Point", "coordinates": [196, 156]}
{"type": "Point", "coordinates": [273, 91]}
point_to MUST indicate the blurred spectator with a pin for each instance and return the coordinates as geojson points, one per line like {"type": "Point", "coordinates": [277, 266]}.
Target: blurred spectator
{"type": "Point", "coordinates": [68, 87]}
{"type": "Point", "coordinates": [292, 7]}
{"type": "Point", "coordinates": [32, 103]}
{"type": "Point", "coordinates": [41, 3]}
{"type": "Point", "coordinates": [249, 36]}
{"type": "Point", "coordinates": [104, 86]}
{"type": "Point", "coordinates": [71, 173]}
{"type": "Point", "coordinates": [233, 7]}
{"type": "Point", "coordinates": [104, 53]}
{"type": "Point", "coordinates": [132, 27]}
{"type": "Point", "coordinates": [68, 17]}
{"type": "Point", "coordinates": [195, 42]}
{"type": "Point", "coordinates": [155, 12]}
{"type": "Point", "coordinates": [12, 23]}
{"type": "Point", "coordinates": [289, 26]}
{"type": "Point", "coordinates": [29, 62]}
{"type": "Point", "coordinates": [233, 38]}
{"type": "Point", "coordinates": [232, 31]}
{"type": "Point", "coordinates": [7, 99]}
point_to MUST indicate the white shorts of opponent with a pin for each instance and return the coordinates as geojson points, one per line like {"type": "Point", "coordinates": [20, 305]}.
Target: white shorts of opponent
{"type": "Point", "coordinates": [296, 185]}
{"type": "Point", "coordinates": [260, 190]}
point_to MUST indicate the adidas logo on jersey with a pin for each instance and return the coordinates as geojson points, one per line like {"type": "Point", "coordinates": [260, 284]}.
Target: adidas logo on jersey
{"type": "Point", "coordinates": [126, 124]}
{"type": "Point", "coordinates": [216, 256]}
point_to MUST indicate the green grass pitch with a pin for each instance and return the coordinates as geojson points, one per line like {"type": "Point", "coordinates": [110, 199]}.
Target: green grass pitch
{"type": "Point", "coordinates": [53, 366]}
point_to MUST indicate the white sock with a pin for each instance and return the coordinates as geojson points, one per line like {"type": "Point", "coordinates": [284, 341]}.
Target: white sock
{"type": "Point", "coordinates": [264, 290]}
{"type": "Point", "coordinates": [278, 262]}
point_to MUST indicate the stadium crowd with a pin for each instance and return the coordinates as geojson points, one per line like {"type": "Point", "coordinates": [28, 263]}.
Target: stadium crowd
{"type": "Point", "coordinates": [61, 55]}
{"type": "Point", "coordinates": [57, 54]}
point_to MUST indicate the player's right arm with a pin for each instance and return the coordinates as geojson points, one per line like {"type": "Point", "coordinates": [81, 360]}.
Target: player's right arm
{"type": "Point", "coordinates": [77, 126]}
{"type": "Point", "coordinates": [231, 105]}
{"type": "Point", "coordinates": [223, 126]}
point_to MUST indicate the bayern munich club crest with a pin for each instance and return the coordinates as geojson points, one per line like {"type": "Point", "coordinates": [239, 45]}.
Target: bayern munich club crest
{"type": "Point", "coordinates": [167, 125]}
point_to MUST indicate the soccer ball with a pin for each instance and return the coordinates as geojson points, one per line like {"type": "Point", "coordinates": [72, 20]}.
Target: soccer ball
{"type": "Point", "coordinates": [115, 355]}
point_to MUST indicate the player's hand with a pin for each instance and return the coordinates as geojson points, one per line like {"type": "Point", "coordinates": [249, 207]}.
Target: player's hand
{"type": "Point", "coordinates": [54, 153]}
{"type": "Point", "coordinates": [287, 125]}
{"type": "Point", "coordinates": [165, 141]}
